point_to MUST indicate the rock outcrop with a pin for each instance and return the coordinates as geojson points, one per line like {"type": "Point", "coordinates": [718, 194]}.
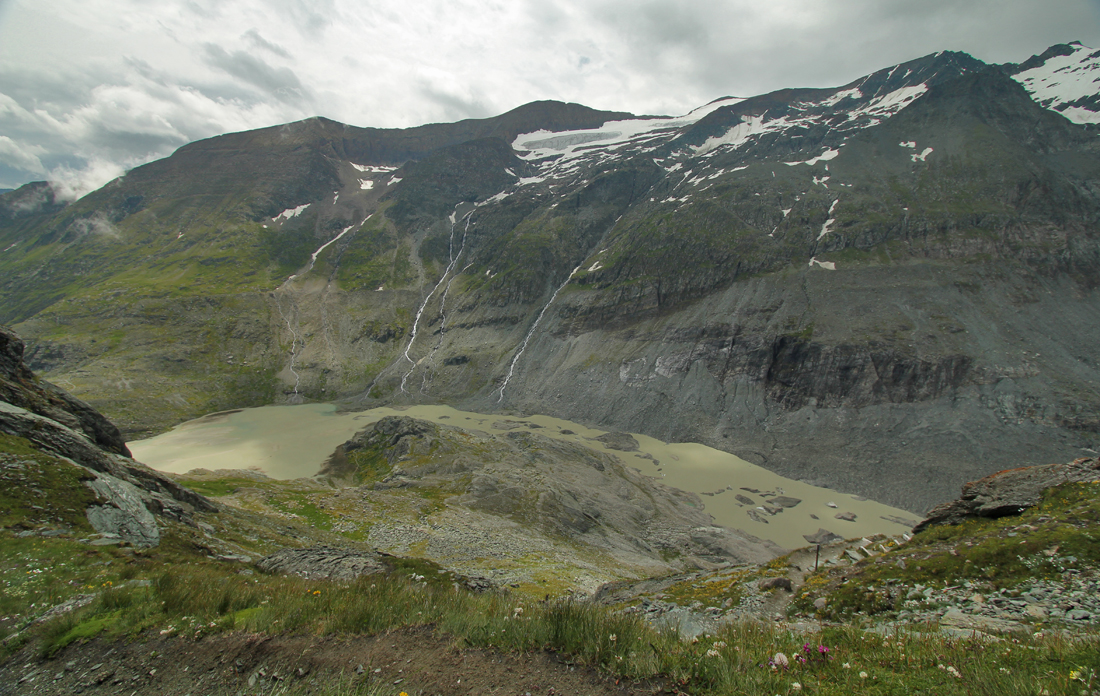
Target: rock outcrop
{"type": "Point", "coordinates": [20, 387]}
{"type": "Point", "coordinates": [544, 486]}
{"type": "Point", "coordinates": [1009, 492]}
{"type": "Point", "coordinates": [129, 494]}
{"type": "Point", "coordinates": [318, 562]}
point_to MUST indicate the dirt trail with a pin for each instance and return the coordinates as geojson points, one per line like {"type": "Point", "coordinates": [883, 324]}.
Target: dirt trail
{"type": "Point", "coordinates": [416, 660]}
{"type": "Point", "coordinates": [802, 562]}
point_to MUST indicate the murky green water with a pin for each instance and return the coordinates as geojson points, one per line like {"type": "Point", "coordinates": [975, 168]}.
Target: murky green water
{"type": "Point", "coordinates": [288, 442]}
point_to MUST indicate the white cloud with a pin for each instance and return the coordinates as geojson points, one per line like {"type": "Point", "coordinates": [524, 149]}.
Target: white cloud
{"type": "Point", "coordinates": [70, 184]}
{"type": "Point", "coordinates": [126, 81]}
{"type": "Point", "coordinates": [97, 225]}
{"type": "Point", "coordinates": [21, 156]}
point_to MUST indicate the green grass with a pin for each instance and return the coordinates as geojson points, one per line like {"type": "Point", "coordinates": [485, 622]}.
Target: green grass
{"type": "Point", "coordinates": [38, 490]}
{"type": "Point", "coordinates": [193, 601]}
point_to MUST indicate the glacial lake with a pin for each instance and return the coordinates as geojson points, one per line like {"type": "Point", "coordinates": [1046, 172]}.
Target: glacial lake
{"type": "Point", "coordinates": [288, 442]}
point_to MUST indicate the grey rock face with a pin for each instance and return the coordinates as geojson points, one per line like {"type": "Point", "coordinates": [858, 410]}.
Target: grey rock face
{"type": "Point", "coordinates": [123, 512]}
{"type": "Point", "coordinates": [20, 387]}
{"type": "Point", "coordinates": [57, 424]}
{"type": "Point", "coordinates": [1010, 492]}
{"type": "Point", "coordinates": [164, 495]}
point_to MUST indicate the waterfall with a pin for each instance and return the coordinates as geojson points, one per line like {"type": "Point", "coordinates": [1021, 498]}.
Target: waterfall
{"type": "Point", "coordinates": [523, 346]}
{"type": "Point", "coordinates": [450, 267]}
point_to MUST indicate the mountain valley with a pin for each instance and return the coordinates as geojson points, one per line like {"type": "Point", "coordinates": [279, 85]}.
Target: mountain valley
{"type": "Point", "coordinates": [882, 288]}
{"type": "Point", "coordinates": [553, 399]}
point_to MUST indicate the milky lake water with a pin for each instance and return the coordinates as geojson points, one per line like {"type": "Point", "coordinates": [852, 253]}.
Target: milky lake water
{"type": "Point", "coordinates": [288, 442]}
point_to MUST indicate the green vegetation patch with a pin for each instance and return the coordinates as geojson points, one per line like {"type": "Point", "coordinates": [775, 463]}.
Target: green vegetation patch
{"type": "Point", "coordinates": [41, 491]}
{"type": "Point", "coordinates": [369, 464]}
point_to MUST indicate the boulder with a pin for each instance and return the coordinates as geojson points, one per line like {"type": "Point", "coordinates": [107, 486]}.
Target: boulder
{"type": "Point", "coordinates": [122, 511]}
{"type": "Point", "coordinates": [785, 501]}
{"type": "Point", "coordinates": [1009, 492]}
{"type": "Point", "coordinates": [776, 583]}
{"type": "Point", "coordinates": [822, 536]}
{"type": "Point", "coordinates": [623, 442]}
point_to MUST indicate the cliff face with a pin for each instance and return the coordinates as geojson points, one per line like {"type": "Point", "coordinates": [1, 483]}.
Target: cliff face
{"type": "Point", "coordinates": [887, 287]}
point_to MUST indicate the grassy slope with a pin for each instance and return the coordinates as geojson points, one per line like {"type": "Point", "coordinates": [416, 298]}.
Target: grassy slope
{"type": "Point", "coordinates": [181, 590]}
{"type": "Point", "coordinates": [1060, 535]}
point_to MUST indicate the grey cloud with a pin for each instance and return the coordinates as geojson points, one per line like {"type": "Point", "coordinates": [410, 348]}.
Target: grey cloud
{"type": "Point", "coordinates": [144, 69]}
{"type": "Point", "coordinates": [280, 83]}
{"type": "Point", "coordinates": [454, 107]}
{"type": "Point", "coordinates": [312, 17]}
{"type": "Point", "coordinates": [52, 90]}
{"type": "Point", "coordinates": [254, 38]}
{"type": "Point", "coordinates": [744, 47]}
{"type": "Point", "coordinates": [668, 22]}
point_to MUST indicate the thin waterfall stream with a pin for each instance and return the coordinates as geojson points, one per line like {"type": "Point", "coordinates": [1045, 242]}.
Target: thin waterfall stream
{"type": "Point", "coordinates": [423, 305]}
{"type": "Point", "coordinates": [284, 289]}
{"type": "Point", "coordinates": [523, 346]}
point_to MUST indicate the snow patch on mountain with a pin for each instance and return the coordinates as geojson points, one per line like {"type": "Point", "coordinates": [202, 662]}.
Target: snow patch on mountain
{"type": "Point", "coordinates": [739, 134]}
{"type": "Point", "coordinates": [366, 184]}
{"type": "Point", "coordinates": [828, 223]}
{"type": "Point", "coordinates": [290, 213]}
{"type": "Point", "coordinates": [853, 93]}
{"type": "Point", "coordinates": [1067, 84]}
{"type": "Point", "coordinates": [887, 105]}
{"type": "Point", "coordinates": [869, 113]}
{"type": "Point", "coordinates": [924, 153]}
{"type": "Point", "coordinates": [823, 157]}
{"type": "Point", "coordinates": [560, 155]}
{"type": "Point", "coordinates": [373, 169]}
{"type": "Point", "coordinates": [493, 199]}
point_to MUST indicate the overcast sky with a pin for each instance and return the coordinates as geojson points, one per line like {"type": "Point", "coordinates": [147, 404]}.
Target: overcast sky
{"type": "Point", "coordinates": [90, 88]}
